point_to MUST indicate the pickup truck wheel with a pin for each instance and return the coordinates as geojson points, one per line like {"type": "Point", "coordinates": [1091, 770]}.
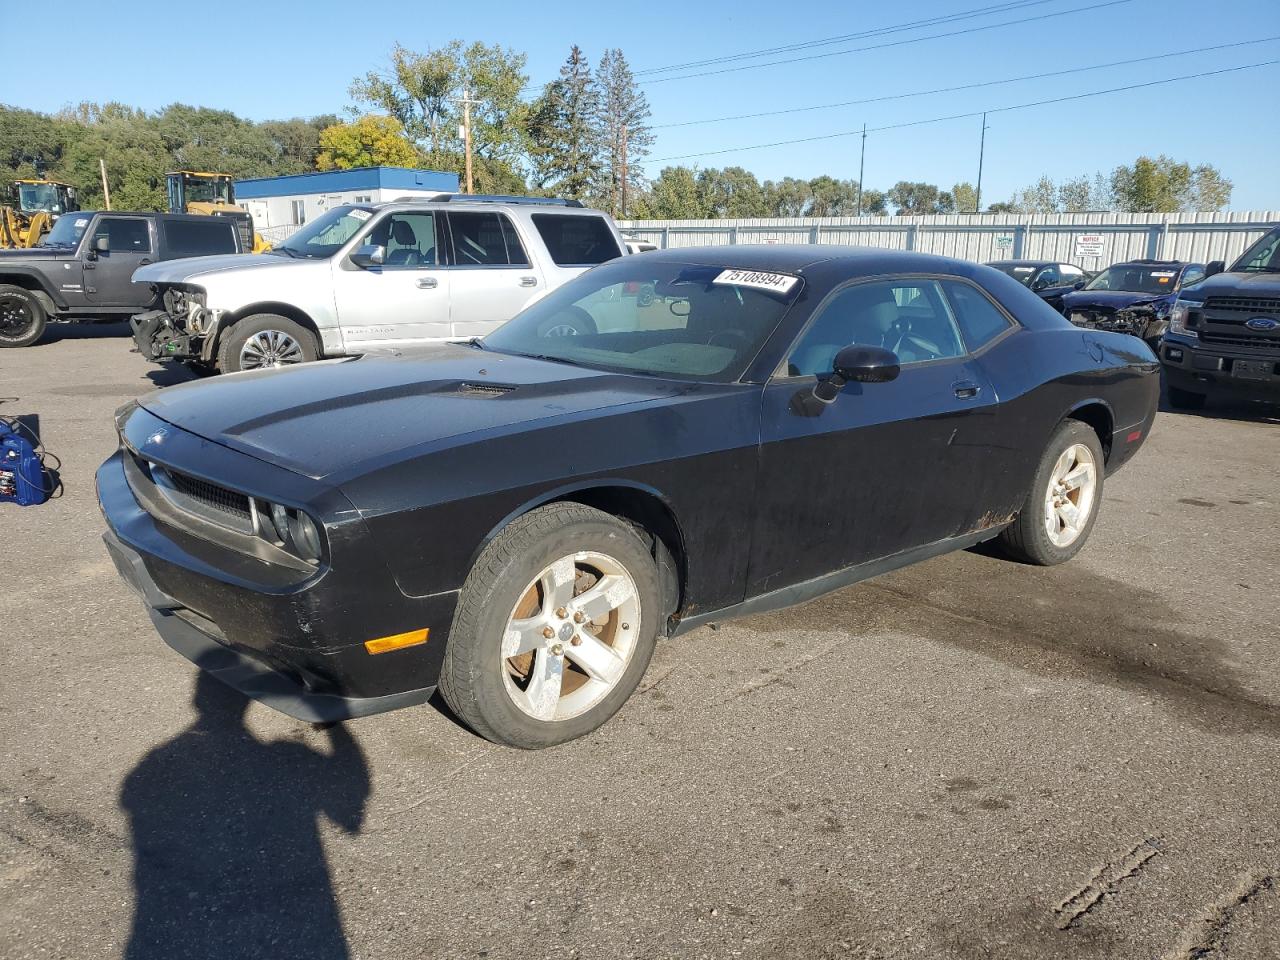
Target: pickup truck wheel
{"type": "Point", "coordinates": [22, 317]}
{"type": "Point", "coordinates": [555, 626]}
{"type": "Point", "coordinates": [1186, 399]}
{"type": "Point", "coordinates": [265, 340]}
{"type": "Point", "coordinates": [1061, 508]}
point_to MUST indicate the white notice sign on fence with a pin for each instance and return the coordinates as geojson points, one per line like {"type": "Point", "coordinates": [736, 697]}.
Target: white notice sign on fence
{"type": "Point", "coordinates": [1090, 245]}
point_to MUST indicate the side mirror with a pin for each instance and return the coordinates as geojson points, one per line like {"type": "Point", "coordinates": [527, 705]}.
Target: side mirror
{"type": "Point", "coordinates": [857, 364]}
{"type": "Point", "coordinates": [1215, 266]}
{"type": "Point", "coordinates": [1040, 284]}
{"type": "Point", "coordinates": [1078, 285]}
{"type": "Point", "coordinates": [101, 245]}
{"type": "Point", "coordinates": [369, 256]}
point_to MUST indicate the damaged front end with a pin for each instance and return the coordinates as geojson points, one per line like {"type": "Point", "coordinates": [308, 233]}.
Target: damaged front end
{"type": "Point", "coordinates": [1145, 320]}
{"type": "Point", "coordinates": [181, 330]}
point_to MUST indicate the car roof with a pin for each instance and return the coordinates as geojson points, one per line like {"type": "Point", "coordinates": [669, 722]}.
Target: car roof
{"type": "Point", "coordinates": [791, 258]}
{"type": "Point", "coordinates": [531, 204]}
{"type": "Point", "coordinates": [1024, 263]}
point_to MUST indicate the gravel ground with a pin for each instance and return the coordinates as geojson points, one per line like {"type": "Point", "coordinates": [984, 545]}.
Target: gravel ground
{"type": "Point", "coordinates": [968, 758]}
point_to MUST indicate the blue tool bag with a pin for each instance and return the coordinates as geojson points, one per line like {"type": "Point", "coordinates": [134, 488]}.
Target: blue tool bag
{"type": "Point", "coordinates": [23, 478]}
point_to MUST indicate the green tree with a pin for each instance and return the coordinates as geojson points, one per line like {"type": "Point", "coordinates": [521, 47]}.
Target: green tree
{"type": "Point", "coordinates": [296, 142]}
{"type": "Point", "coordinates": [1004, 206]}
{"type": "Point", "coordinates": [914, 198]}
{"type": "Point", "coordinates": [371, 141]}
{"type": "Point", "coordinates": [787, 197]}
{"type": "Point", "coordinates": [874, 203]}
{"type": "Point", "coordinates": [675, 195]}
{"type": "Point", "coordinates": [622, 123]}
{"type": "Point", "coordinates": [565, 146]}
{"type": "Point", "coordinates": [832, 197]}
{"type": "Point", "coordinates": [731, 193]}
{"type": "Point", "coordinates": [964, 198]}
{"type": "Point", "coordinates": [1164, 185]}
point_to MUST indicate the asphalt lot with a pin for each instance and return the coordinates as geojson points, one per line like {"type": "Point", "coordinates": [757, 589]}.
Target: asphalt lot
{"type": "Point", "coordinates": [968, 758]}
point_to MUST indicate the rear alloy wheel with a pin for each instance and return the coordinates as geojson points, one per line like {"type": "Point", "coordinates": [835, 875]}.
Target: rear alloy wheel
{"type": "Point", "coordinates": [555, 627]}
{"type": "Point", "coordinates": [22, 317]}
{"type": "Point", "coordinates": [263, 342]}
{"type": "Point", "coordinates": [1061, 508]}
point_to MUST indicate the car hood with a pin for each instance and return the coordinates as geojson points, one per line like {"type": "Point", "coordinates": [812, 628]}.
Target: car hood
{"type": "Point", "coordinates": [190, 269]}
{"type": "Point", "coordinates": [1111, 299]}
{"type": "Point", "coordinates": [1250, 283]}
{"type": "Point", "coordinates": [36, 253]}
{"type": "Point", "coordinates": [350, 416]}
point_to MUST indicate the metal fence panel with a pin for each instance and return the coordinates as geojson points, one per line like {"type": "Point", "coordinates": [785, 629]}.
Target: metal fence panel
{"type": "Point", "coordinates": [1199, 237]}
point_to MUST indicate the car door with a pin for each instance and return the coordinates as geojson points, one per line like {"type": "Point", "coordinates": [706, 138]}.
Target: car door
{"type": "Point", "coordinates": [108, 274]}
{"type": "Point", "coordinates": [405, 300]}
{"type": "Point", "coordinates": [492, 277]}
{"type": "Point", "coordinates": [885, 467]}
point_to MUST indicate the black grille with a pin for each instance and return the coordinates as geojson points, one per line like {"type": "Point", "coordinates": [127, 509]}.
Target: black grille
{"type": "Point", "coordinates": [1230, 340]}
{"type": "Point", "coordinates": [1243, 305]}
{"type": "Point", "coordinates": [210, 494]}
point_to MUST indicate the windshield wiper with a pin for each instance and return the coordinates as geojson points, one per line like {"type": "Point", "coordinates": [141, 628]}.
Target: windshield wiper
{"type": "Point", "coordinates": [477, 342]}
{"type": "Point", "coordinates": [289, 250]}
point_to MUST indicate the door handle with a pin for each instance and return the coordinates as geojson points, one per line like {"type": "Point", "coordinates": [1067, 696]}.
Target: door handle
{"type": "Point", "coordinates": [427, 283]}
{"type": "Point", "coordinates": [528, 281]}
{"type": "Point", "coordinates": [966, 389]}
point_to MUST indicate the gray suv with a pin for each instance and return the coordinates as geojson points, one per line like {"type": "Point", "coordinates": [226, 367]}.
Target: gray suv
{"type": "Point", "coordinates": [370, 276]}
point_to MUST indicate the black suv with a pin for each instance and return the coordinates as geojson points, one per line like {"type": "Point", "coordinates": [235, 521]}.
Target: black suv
{"type": "Point", "coordinates": [1224, 332]}
{"type": "Point", "coordinates": [83, 270]}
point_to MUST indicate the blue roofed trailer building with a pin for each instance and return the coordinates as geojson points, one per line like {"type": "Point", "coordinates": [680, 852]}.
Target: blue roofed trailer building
{"type": "Point", "coordinates": [279, 205]}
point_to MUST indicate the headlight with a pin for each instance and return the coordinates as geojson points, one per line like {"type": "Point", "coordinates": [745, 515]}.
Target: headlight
{"type": "Point", "coordinates": [1184, 316]}
{"type": "Point", "coordinates": [289, 528]}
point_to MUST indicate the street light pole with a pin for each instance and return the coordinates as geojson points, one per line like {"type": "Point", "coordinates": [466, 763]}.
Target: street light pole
{"type": "Point", "coordinates": [862, 167]}
{"type": "Point", "coordinates": [982, 148]}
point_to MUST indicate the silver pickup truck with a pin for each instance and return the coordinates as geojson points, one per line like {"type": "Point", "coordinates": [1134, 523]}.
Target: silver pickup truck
{"type": "Point", "coordinates": [369, 276]}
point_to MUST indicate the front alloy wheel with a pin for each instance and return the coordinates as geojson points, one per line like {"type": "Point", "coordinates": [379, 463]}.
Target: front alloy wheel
{"type": "Point", "coordinates": [554, 627]}
{"type": "Point", "coordinates": [270, 348]}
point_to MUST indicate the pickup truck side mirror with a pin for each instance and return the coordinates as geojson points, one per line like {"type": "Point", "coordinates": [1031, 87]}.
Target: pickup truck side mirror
{"type": "Point", "coordinates": [1214, 266]}
{"type": "Point", "coordinates": [102, 245]}
{"type": "Point", "coordinates": [369, 256]}
{"type": "Point", "coordinates": [860, 364]}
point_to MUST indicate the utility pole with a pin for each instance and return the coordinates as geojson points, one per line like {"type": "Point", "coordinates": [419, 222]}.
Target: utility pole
{"type": "Point", "coordinates": [466, 134]}
{"type": "Point", "coordinates": [106, 191]}
{"type": "Point", "coordinates": [623, 186]}
{"type": "Point", "coordinates": [982, 148]}
{"type": "Point", "coordinates": [862, 167]}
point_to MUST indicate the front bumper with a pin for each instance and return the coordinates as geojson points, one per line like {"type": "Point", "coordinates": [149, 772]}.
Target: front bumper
{"type": "Point", "coordinates": [295, 645]}
{"type": "Point", "coordinates": [1190, 364]}
{"type": "Point", "coordinates": [1144, 324]}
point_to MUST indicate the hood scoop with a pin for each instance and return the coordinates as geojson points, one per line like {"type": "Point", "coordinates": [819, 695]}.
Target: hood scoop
{"type": "Point", "coordinates": [480, 391]}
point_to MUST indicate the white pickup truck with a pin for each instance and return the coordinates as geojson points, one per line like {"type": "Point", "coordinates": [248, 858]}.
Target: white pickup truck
{"type": "Point", "coordinates": [370, 276]}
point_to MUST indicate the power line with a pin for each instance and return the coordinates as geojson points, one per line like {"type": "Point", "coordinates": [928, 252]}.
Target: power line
{"type": "Point", "coordinates": [965, 86]}
{"type": "Point", "coordinates": [892, 43]}
{"type": "Point", "coordinates": [826, 41]}
{"type": "Point", "coordinates": [972, 113]}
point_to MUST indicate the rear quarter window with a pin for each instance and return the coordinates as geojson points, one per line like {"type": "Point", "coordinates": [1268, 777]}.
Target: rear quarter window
{"type": "Point", "coordinates": [197, 238]}
{"type": "Point", "coordinates": [576, 241]}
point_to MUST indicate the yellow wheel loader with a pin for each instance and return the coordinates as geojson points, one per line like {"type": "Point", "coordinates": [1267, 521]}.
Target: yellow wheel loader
{"type": "Point", "coordinates": [213, 195]}
{"type": "Point", "coordinates": [36, 204]}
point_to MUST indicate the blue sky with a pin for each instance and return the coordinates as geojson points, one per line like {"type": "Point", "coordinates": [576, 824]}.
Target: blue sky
{"type": "Point", "coordinates": [269, 60]}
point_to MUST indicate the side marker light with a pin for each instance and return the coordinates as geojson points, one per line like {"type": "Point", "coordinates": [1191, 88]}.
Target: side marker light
{"type": "Point", "coordinates": [397, 641]}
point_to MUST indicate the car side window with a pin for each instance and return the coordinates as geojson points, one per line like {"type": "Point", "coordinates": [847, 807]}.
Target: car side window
{"type": "Point", "coordinates": [409, 240]}
{"type": "Point", "coordinates": [1049, 277]}
{"type": "Point", "coordinates": [484, 240]}
{"type": "Point", "coordinates": [1193, 274]}
{"type": "Point", "coordinates": [1070, 273]}
{"type": "Point", "coordinates": [981, 321]}
{"type": "Point", "coordinates": [909, 317]}
{"type": "Point", "coordinates": [124, 234]}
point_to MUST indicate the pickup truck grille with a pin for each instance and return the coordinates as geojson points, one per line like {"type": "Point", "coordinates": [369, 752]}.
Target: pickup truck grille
{"type": "Point", "coordinates": [1248, 305]}
{"type": "Point", "coordinates": [1270, 344]}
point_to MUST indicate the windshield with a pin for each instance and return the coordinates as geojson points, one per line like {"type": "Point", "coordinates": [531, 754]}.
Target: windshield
{"type": "Point", "coordinates": [1133, 278]}
{"type": "Point", "coordinates": [326, 235]}
{"type": "Point", "coordinates": [66, 232]}
{"type": "Point", "coordinates": [1262, 256]}
{"type": "Point", "coordinates": [38, 196]}
{"type": "Point", "coordinates": [1020, 272]}
{"type": "Point", "coordinates": [653, 317]}
{"type": "Point", "coordinates": [208, 191]}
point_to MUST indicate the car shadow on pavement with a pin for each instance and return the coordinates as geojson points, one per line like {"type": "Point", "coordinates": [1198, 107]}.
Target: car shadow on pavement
{"type": "Point", "coordinates": [1257, 411]}
{"type": "Point", "coordinates": [81, 331]}
{"type": "Point", "coordinates": [228, 860]}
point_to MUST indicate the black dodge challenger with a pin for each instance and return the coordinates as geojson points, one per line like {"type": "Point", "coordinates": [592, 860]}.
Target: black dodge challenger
{"type": "Point", "coordinates": [672, 438]}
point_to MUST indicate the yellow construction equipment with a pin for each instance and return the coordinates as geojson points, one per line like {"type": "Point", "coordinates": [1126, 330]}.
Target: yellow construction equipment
{"type": "Point", "coordinates": [213, 195]}
{"type": "Point", "coordinates": [36, 204]}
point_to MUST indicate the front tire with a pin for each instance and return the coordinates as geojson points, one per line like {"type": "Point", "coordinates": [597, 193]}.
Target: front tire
{"type": "Point", "coordinates": [555, 626]}
{"type": "Point", "coordinates": [22, 317]}
{"type": "Point", "coordinates": [264, 341]}
{"type": "Point", "coordinates": [1059, 512]}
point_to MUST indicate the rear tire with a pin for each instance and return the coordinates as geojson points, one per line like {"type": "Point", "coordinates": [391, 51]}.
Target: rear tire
{"type": "Point", "coordinates": [263, 341]}
{"type": "Point", "coordinates": [22, 317]}
{"type": "Point", "coordinates": [1057, 517]}
{"type": "Point", "coordinates": [1186, 399]}
{"type": "Point", "coordinates": [516, 670]}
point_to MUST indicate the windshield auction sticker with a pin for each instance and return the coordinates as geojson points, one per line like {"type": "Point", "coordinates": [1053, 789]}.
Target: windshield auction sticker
{"type": "Point", "coordinates": [359, 214]}
{"type": "Point", "coordinates": [773, 282]}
